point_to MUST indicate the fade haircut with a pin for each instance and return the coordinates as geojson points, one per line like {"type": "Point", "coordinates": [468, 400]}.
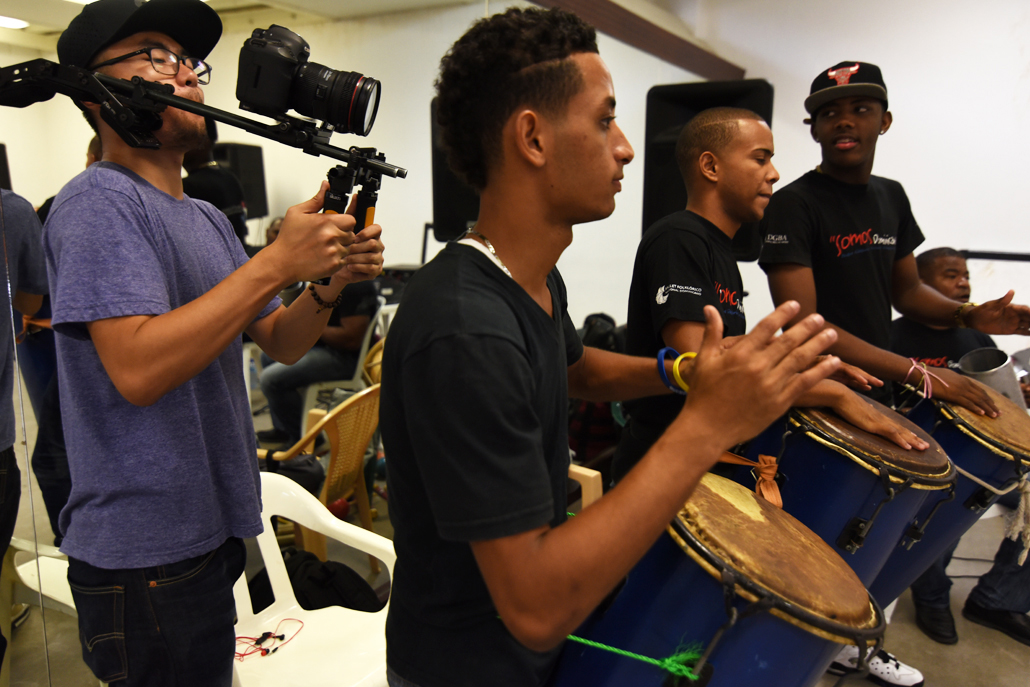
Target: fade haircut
{"type": "Point", "coordinates": [925, 260]}
{"type": "Point", "coordinates": [510, 60]}
{"type": "Point", "coordinates": [709, 131]}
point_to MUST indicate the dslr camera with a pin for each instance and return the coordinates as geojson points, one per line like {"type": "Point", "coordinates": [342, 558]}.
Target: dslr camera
{"type": "Point", "coordinates": [275, 76]}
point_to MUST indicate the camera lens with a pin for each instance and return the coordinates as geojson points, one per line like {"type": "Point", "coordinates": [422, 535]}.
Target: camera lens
{"type": "Point", "coordinates": [348, 101]}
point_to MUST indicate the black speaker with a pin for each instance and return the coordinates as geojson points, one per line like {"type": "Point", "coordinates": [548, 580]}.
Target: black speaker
{"type": "Point", "coordinates": [247, 163]}
{"type": "Point", "coordinates": [668, 109]}
{"type": "Point", "coordinates": [455, 203]}
{"type": "Point", "coordinates": [5, 171]}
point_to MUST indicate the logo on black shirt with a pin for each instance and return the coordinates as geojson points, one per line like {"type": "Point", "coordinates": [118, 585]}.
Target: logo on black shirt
{"type": "Point", "coordinates": [853, 244]}
{"type": "Point", "coordinates": [778, 239]}
{"type": "Point", "coordinates": [663, 293]}
{"type": "Point", "coordinates": [729, 297]}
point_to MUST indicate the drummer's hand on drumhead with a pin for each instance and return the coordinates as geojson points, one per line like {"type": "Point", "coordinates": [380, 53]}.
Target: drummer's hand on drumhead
{"type": "Point", "coordinates": [742, 389]}
{"type": "Point", "coordinates": [854, 377]}
{"type": "Point", "coordinates": [864, 416]}
{"type": "Point", "coordinates": [999, 316]}
{"type": "Point", "coordinates": [963, 391]}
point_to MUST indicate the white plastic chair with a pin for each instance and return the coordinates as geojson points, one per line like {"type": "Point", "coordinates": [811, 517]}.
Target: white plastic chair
{"type": "Point", "coordinates": [337, 646]}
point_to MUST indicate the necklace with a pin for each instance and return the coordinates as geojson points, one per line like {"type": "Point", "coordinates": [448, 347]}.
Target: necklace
{"type": "Point", "coordinates": [490, 247]}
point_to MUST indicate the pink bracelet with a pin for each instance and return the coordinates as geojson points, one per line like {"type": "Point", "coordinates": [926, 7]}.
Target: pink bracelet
{"type": "Point", "coordinates": [927, 384]}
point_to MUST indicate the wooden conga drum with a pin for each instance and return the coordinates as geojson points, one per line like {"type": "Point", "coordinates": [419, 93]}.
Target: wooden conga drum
{"type": "Point", "coordinates": [767, 599]}
{"type": "Point", "coordinates": [858, 491]}
{"type": "Point", "coordinates": [994, 450]}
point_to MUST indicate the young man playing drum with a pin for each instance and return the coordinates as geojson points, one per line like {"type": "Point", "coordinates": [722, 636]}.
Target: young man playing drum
{"type": "Point", "coordinates": [483, 357]}
{"type": "Point", "coordinates": [839, 241]}
{"type": "Point", "coordinates": [1001, 598]}
{"type": "Point", "coordinates": [685, 262]}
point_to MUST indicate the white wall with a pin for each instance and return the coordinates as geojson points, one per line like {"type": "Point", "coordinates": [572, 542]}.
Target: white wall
{"type": "Point", "coordinates": [958, 77]}
{"type": "Point", "coordinates": [46, 142]}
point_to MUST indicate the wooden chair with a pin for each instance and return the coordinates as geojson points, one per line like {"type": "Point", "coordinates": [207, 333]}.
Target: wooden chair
{"type": "Point", "coordinates": [349, 426]}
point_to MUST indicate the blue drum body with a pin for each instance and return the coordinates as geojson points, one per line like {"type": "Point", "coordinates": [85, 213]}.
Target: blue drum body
{"type": "Point", "coordinates": [669, 602]}
{"type": "Point", "coordinates": [909, 560]}
{"type": "Point", "coordinates": [833, 489]}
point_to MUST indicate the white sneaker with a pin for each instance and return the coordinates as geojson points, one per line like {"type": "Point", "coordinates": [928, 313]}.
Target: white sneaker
{"type": "Point", "coordinates": [884, 668]}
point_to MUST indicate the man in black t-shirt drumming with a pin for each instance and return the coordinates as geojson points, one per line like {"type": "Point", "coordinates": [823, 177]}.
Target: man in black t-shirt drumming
{"type": "Point", "coordinates": [685, 261]}
{"type": "Point", "coordinates": [839, 241]}
{"type": "Point", "coordinates": [482, 359]}
{"type": "Point", "coordinates": [1001, 598]}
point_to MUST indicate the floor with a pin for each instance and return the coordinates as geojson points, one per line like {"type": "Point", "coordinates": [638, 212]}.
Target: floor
{"type": "Point", "coordinates": [982, 658]}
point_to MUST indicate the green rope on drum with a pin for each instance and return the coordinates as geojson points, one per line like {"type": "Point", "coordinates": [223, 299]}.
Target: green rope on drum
{"type": "Point", "coordinates": [679, 664]}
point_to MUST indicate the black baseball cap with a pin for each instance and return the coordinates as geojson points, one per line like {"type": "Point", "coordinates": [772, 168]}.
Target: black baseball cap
{"type": "Point", "coordinates": [847, 79]}
{"type": "Point", "coordinates": [191, 23]}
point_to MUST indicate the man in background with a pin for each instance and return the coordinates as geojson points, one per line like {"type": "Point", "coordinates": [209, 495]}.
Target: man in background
{"type": "Point", "coordinates": [1001, 598]}
{"type": "Point", "coordinates": [25, 273]}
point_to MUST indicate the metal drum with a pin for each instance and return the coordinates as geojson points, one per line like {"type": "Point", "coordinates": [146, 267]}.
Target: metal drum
{"type": "Point", "coordinates": [994, 450]}
{"type": "Point", "coordinates": [768, 601]}
{"type": "Point", "coordinates": [856, 490]}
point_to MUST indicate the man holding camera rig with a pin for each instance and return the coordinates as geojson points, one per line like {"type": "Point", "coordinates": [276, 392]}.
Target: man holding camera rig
{"type": "Point", "coordinates": [151, 292]}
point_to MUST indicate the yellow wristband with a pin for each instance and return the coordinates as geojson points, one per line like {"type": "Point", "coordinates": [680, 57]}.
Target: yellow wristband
{"type": "Point", "coordinates": [676, 370]}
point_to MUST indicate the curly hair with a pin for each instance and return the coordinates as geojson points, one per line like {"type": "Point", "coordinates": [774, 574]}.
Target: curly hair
{"type": "Point", "coordinates": [709, 131]}
{"type": "Point", "coordinates": [518, 58]}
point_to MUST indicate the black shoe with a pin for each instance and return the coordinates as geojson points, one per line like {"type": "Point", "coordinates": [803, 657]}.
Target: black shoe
{"type": "Point", "coordinates": [937, 623]}
{"type": "Point", "coordinates": [1015, 625]}
{"type": "Point", "coordinates": [272, 436]}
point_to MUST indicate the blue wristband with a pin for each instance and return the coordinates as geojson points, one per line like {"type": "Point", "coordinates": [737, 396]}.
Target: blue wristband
{"type": "Point", "coordinates": [662, 356]}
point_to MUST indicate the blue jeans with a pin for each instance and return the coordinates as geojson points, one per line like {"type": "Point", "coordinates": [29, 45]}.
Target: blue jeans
{"type": "Point", "coordinates": [1006, 586]}
{"type": "Point", "coordinates": [280, 384]}
{"type": "Point", "coordinates": [166, 626]}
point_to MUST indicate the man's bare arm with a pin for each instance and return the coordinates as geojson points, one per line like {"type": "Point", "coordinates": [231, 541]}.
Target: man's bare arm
{"type": "Point", "coordinates": [795, 282]}
{"type": "Point", "coordinates": [146, 356]}
{"type": "Point", "coordinates": [545, 582]}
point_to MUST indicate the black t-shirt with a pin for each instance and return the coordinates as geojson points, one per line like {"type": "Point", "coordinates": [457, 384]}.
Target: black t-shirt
{"type": "Point", "coordinates": [361, 298]}
{"type": "Point", "coordinates": [936, 347]}
{"type": "Point", "coordinates": [683, 263]}
{"type": "Point", "coordinates": [474, 419]}
{"type": "Point", "coordinates": [850, 235]}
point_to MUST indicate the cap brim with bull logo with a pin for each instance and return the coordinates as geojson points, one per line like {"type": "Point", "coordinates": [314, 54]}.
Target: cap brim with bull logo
{"type": "Point", "coordinates": [846, 80]}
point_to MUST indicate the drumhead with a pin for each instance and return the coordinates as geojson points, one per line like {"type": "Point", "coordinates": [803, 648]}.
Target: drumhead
{"type": "Point", "coordinates": [1009, 432]}
{"type": "Point", "coordinates": [929, 469]}
{"type": "Point", "coordinates": [725, 526]}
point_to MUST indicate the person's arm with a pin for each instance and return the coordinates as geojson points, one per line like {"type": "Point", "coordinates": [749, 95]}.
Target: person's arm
{"type": "Point", "coordinates": [348, 335]}
{"type": "Point", "coordinates": [546, 581]}
{"type": "Point", "coordinates": [914, 299]}
{"type": "Point", "coordinates": [789, 281]}
{"type": "Point", "coordinates": [27, 303]}
{"type": "Point", "coordinates": [687, 336]}
{"type": "Point", "coordinates": [146, 356]}
{"type": "Point", "coordinates": [605, 376]}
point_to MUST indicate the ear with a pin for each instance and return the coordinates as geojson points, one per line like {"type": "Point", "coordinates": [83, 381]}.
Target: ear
{"type": "Point", "coordinates": [885, 122]}
{"type": "Point", "coordinates": [531, 140]}
{"type": "Point", "coordinates": [708, 164]}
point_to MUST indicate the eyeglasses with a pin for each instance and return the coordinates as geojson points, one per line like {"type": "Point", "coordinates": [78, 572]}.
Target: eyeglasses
{"type": "Point", "coordinates": [166, 62]}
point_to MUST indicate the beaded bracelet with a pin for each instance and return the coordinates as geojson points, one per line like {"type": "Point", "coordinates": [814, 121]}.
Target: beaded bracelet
{"type": "Point", "coordinates": [960, 314]}
{"type": "Point", "coordinates": [322, 305]}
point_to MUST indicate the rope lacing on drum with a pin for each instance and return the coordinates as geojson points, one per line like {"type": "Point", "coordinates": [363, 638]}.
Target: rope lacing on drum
{"type": "Point", "coordinates": [1019, 526]}
{"type": "Point", "coordinates": [679, 664]}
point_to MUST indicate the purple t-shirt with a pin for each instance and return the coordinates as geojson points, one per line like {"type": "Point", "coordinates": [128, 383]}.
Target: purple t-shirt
{"type": "Point", "coordinates": [158, 484]}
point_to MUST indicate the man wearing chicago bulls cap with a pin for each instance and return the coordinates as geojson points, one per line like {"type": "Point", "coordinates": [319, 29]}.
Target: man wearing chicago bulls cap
{"type": "Point", "coordinates": [151, 291]}
{"type": "Point", "coordinates": [840, 241]}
